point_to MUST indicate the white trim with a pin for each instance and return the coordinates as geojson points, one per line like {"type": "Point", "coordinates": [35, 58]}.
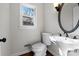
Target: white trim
{"type": "Point", "coordinates": [20, 53]}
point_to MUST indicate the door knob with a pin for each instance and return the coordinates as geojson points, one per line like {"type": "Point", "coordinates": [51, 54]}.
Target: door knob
{"type": "Point", "coordinates": [3, 40]}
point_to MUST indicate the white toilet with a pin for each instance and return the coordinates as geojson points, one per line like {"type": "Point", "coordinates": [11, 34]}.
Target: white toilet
{"type": "Point", "coordinates": [40, 48]}
{"type": "Point", "coordinates": [45, 38]}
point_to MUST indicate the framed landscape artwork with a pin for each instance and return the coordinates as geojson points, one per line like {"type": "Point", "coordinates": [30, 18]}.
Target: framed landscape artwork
{"type": "Point", "coordinates": [27, 16]}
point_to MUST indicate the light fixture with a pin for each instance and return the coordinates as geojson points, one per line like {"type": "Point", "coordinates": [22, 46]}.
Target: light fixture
{"type": "Point", "coordinates": [58, 6]}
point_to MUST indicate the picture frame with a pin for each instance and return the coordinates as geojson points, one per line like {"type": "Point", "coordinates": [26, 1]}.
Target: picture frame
{"type": "Point", "coordinates": [27, 16]}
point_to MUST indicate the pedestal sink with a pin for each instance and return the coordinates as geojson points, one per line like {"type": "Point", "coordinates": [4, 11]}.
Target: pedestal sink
{"type": "Point", "coordinates": [64, 44]}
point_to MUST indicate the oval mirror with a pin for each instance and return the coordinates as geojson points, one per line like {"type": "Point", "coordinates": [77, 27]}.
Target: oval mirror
{"type": "Point", "coordinates": [67, 17]}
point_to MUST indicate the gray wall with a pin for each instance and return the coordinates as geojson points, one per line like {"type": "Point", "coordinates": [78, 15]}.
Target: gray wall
{"type": "Point", "coordinates": [51, 19]}
{"type": "Point", "coordinates": [20, 37]}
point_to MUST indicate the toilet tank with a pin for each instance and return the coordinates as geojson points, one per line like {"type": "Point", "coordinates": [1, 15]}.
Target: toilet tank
{"type": "Point", "coordinates": [46, 39]}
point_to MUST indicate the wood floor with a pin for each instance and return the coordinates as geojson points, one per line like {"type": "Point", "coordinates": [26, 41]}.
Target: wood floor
{"type": "Point", "coordinates": [32, 54]}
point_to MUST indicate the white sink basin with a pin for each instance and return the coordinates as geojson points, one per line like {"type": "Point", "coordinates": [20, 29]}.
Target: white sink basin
{"type": "Point", "coordinates": [65, 40]}
{"type": "Point", "coordinates": [70, 41]}
{"type": "Point", "coordinates": [65, 43]}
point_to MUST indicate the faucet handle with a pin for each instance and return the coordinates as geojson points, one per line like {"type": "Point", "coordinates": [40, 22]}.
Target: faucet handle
{"type": "Point", "coordinates": [74, 37]}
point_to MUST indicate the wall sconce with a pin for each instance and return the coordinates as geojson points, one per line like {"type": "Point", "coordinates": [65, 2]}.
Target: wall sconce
{"type": "Point", "coordinates": [58, 6]}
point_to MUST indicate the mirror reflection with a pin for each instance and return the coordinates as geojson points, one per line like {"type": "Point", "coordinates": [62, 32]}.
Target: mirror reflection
{"type": "Point", "coordinates": [68, 15]}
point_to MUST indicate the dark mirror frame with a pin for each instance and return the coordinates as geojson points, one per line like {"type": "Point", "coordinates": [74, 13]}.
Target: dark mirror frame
{"type": "Point", "coordinates": [59, 9]}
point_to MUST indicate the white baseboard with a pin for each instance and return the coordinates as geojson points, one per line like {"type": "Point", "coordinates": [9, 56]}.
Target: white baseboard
{"type": "Point", "coordinates": [20, 53]}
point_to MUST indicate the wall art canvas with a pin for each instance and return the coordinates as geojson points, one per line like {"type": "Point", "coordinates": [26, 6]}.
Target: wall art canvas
{"type": "Point", "coordinates": [27, 16]}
